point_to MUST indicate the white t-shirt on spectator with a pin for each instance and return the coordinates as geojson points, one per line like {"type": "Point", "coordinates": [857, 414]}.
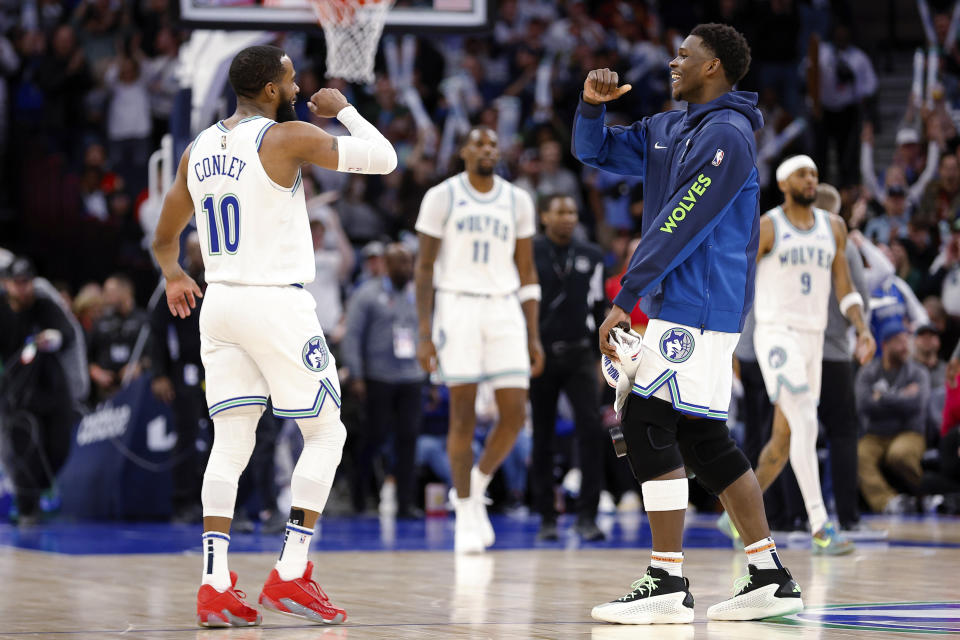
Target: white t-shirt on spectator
{"type": "Point", "coordinates": [836, 95]}
{"type": "Point", "coordinates": [129, 113]}
{"type": "Point", "coordinates": [325, 288]}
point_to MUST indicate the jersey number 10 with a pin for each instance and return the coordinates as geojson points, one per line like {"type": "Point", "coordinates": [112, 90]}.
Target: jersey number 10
{"type": "Point", "coordinates": [226, 225]}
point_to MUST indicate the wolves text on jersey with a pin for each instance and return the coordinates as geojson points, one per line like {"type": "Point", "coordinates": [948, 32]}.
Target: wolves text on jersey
{"type": "Point", "coordinates": [217, 165]}
{"type": "Point", "coordinates": [484, 224]}
{"type": "Point", "coordinates": [813, 256]}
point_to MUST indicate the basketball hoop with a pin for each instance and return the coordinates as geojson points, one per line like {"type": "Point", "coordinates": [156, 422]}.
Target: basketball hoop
{"type": "Point", "coordinates": [352, 31]}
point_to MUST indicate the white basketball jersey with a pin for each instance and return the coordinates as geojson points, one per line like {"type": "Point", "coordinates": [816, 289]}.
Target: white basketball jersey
{"type": "Point", "coordinates": [794, 278]}
{"type": "Point", "coordinates": [252, 230]}
{"type": "Point", "coordinates": [478, 233]}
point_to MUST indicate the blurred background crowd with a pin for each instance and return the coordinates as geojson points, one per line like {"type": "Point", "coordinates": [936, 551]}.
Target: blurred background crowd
{"type": "Point", "coordinates": [87, 91]}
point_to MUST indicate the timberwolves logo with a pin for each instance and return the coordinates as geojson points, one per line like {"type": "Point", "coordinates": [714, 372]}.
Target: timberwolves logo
{"type": "Point", "coordinates": [897, 617]}
{"type": "Point", "coordinates": [315, 354]}
{"type": "Point", "coordinates": [676, 345]}
{"type": "Point", "coordinates": [777, 357]}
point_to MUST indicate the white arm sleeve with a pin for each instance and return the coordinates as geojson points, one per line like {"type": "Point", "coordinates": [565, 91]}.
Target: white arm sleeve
{"type": "Point", "coordinates": [434, 210]}
{"type": "Point", "coordinates": [365, 150]}
{"type": "Point", "coordinates": [526, 216]}
{"type": "Point", "coordinates": [867, 173]}
{"type": "Point", "coordinates": [933, 158]}
{"type": "Point", "coordinates": [880, 268]}
{"type": "Point", "coordinates": [915, 309]}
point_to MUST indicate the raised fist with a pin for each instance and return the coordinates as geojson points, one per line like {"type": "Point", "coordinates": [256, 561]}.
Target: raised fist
{"type": "Point", "coordinates": [327, 103]}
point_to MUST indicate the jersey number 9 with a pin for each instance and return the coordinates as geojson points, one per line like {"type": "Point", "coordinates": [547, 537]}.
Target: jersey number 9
{"type": "Point", "coordinates": [805, 283]}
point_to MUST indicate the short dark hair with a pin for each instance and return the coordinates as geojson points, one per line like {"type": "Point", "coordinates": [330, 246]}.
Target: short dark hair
{"type": "Point", "coordinates": [546, 201]}
{"type": "Point", "coordinates": [729, 45]}
{"type": "Point", "coordinates": [253, 68]}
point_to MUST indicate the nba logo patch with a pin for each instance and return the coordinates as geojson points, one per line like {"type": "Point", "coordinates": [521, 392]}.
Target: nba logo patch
{"type": "Point", "coordinates": [717, 158]}
{"type": "Point", "coordinates": [676, 345]}
{"type": "Point", "coordinates": [315, 354]}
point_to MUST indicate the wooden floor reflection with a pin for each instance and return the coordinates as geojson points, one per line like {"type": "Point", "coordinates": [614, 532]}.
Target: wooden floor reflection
{"type": "Point", "coordinates": [531, 593]}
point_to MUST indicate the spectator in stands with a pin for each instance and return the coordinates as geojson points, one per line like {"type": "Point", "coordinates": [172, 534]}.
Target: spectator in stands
{"type": "Point", "coordinates": [36, 408]}
{"type": "Point", "coordinates": [360, 220]}
{"type": "Point", "coordinates": [941, 198]}
{"type": "Point", "coordinates": [910, 169]}
{"type": "Point", "coordinates": [554, 178]}
{"type": "Point", "coordinates": [926, 351]}
{"type": "Point", "coordinates": [893, 222]}
{"type": "Point", "coordinates": [774, 47]}
{"type": "Point", "coordinates": [944, 274]}
{"type": "Point", "coordinates": [847, 81]}
{"type": "Point", "coordinates": [372, 266]}
{"type": "Point", "coordinates": [129, 121]}
{"type": "Point", "coordinates": [334, 260]}
{"type": "Point", "coordinates": [114, 336]}
{"type": "Point", "coordinates": [379, 350]}
{"type": "Point", "coordinates": [64, 78]}
{"type": "Point", "coordinates": [88, 305]}
{"type": "Point", "coordinates": [162, 81]}
{"type": "Point", "coordinates": [892, 395]}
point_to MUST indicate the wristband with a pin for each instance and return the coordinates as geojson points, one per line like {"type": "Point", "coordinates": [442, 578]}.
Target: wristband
{"type": "Point", "coordinates": [529, 292]}
{"type": "Point", "coordinates": [849, 300]}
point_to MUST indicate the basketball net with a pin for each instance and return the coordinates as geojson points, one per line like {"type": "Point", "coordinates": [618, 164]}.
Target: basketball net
{"type": "Point", "coordinates": [352, 30]}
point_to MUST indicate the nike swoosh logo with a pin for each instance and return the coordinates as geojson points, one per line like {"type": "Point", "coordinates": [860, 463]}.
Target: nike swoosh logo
{"type": "Point", "coordinates": [657, 145]}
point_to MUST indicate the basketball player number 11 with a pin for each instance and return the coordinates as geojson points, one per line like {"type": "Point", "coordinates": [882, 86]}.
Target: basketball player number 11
{"type": "Point", "coordinates": [225, 225]}
{"type": "Point", "coordinates": [481, 251]}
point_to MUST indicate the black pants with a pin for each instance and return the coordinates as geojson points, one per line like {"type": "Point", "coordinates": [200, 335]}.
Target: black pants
{"type": "Point", "coordinates": [189, 410]}
{"type": "Point", "coordinates": [36, 420]}
{"type": "Point", "coordinates": [838, 414]}
{"type": "Point", "coordinates": [574, 373]}
{"type": "Point", "coordinates": [842, 130]}
{"type": "Point", "coordinates": [260, 475]}
{"type": "Point", "coordinates": [393, 409]}
{"type": "Point", "coordinates": [782, 500]}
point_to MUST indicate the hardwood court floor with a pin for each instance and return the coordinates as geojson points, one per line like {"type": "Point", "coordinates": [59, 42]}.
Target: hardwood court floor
{"type": "Point", "coordinates": [511, 593]}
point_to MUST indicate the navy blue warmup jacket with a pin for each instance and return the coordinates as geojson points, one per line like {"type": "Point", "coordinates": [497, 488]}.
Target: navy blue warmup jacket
{"type": "Point", "coordinates": [696, 260]}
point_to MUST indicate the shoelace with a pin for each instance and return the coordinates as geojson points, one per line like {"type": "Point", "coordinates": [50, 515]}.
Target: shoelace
{"type": "Point", "coordinates": [320, 592]}
{"type": "Point", "coordinates": [741, 583]}
{"type": "Point", "coordinates": [647, 583]}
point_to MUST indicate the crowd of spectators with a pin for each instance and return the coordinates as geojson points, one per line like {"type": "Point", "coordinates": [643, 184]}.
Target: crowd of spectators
{"type": "Point", "coordinates": [87, 88]}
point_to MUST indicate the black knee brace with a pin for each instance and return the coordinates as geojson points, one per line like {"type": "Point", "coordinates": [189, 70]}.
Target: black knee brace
{"type": "Point", "coordinates": [649, 428]}
{"type": "Point", "coordinates": [710, 453]}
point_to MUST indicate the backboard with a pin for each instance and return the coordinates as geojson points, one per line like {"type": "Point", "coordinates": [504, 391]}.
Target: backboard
{"type": "Point", "coordinates": [406, 15]}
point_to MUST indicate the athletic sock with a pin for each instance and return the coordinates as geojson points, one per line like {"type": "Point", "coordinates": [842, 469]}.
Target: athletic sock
{"type": "Point", "coordinates": [479, 481]}
{"type": "Point", "coordinates": [669, 561]}
{"type": "Point", "coordinates": [296, 545]}
{"type": "Point", "coordinates": [763, 554]}
{"type": "Point", "coordinates": [216, 573]}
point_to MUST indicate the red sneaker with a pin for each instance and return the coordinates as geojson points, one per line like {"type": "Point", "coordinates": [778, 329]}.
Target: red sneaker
{"type": "Point", "coordinates": [225, 609]}
{"type": "Point", "coordinates": [302, 598]}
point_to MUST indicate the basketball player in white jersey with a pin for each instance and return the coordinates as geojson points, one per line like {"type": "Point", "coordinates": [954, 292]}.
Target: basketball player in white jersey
{"type": "Point", "coordinates": [259, 332]}
{"type": "Point", "coordinates": [801, 252]}
{"type": "Point", "coordinates": [476, 253]}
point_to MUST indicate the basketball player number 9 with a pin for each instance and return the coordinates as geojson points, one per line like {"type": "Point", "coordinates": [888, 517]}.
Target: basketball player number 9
{"type": "Point", "coordinates": [227, 224]}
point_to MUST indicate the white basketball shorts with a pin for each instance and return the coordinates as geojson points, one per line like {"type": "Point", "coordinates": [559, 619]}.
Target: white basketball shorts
{"type": "Point", "coordinates": [257, 341]}
{"type": "Point", "coordinates": [481, 338]}
{"type": "Point", "coordinates": [690, 369]}
{"type": "Point", "coordinates": [789, 359]}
